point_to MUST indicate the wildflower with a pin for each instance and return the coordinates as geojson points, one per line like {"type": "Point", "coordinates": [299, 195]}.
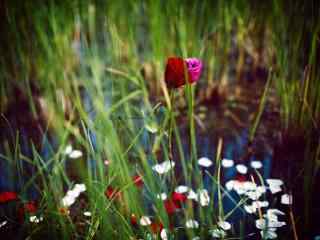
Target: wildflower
{"type": "Point", "coordinates": [75, 154]}
{"type": "Point", "coordinates": [8, 196]}
{"type": "Point", "coordinates": [241, 168]}
{"type": "Point", "coordinates": [3, 223]}
{"type": "Point", "coordinates": [270, 223]}
{"type": "Point", "coordinates": [68, 150]}
{"type": "Point", "coordinates": [72, 153]}
{"type": "Point", "coordinates": [35, 219]}
{"type": "Point", "coordinates": [156, 227]}
{"type": "Point", "coordinates": [181, 189]}
{"type": "Point", "coordinates": [203, 197]}
{"type": "Point", "coordinates": [162, 196]}
{"type": "Point", "coordinates": [68, 200]}
{"type": "Point", "coordinates": [256, 164]}
{"type": "Point", "coordinates": [217, 233]}
{"type": "Point", "coordinates": [73, 194]}
{"type": "Point", "coordinates": [138, 181]}
{"type": "Point", "coordinates": [286, 199]}
{"type": "Point", "coordinates": [224, 225]}
{"type": "Point", "coordinates": [79, 188]}
{"type": "Point", "coordinates": [227, 163]}
{"type": "Point", "coordinates": [171, 206]}
{"type": "Point", "coordinates": [255, 205]}
{"type": "Point", "coordinates": [30, 207]}
{"type": "Point", "coordinates": [133, 220]}
{"type": "Point", "coordinates": [192, 224]}
{"type": "Point", "coordinates": [194, 66]}
{"type": "Point", "coordinates": [112, 193]}
{"type": "Point", "coordinates": [250, 209]}
{"type": "Point", "coordinates": [179, 70]}
{"type": "Point", "coordinates": [64, 211]}
{"type": "Point", "coordinates": [163, 167]}
{"type": "Point", "coordinates": [275, 185]}
{"type": "Point", "coordinates": [269, 233]}
{"type": "Point", "coordinates": [164, 234]}
{"type": "Point", "coordinates": [87, 214]}
{"type": "Point", "coordinates": [175, 72]}
{"type": "Point", "coordinates": [145, 221]}
{"type": "Point", "coordinates": [178, 197]}
{"type": "Point", "coordinates": [192, 195]}
{"type": "Point", "coordinates": [174, 202]}
{"type": "Point", "coordinates": [204, 162]}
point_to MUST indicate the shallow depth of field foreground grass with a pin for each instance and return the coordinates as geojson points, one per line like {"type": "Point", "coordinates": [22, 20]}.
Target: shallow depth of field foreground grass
{"type": "Point", "coordinates": [159, 119]}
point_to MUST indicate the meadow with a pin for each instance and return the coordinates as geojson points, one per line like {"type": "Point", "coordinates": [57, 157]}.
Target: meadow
{"type": "Point", "coordinates": [159, 119]}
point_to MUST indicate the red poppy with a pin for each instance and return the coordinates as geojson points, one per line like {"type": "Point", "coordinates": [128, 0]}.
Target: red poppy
{"type": "Point", "coordinates": [138, 181]}
{"type": "Point", "coordinates": [27, 208]}
{"type": "Point", "coordinates": [30, 207]}
{"type": "Point", "coordinates": [156, 227]}
{"type": "Point", "coordinates": [175, 73]}
{"type": "Point", "coordinates": [8, 196]}
{"type": "Point", "coordinates": [133, 220]}
{"type": "Point", "coordinates": [178, 197]}
{"type": "Point", "coordinates": [241, 178]}
{"type": "Point", "coordinates": [174, 202]}
{"type": "Point", "coordinates": [112, 193]}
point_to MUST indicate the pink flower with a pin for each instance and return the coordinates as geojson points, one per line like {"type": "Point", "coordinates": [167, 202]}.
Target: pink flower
{"type": "Point", "coordinates": [194, 66]}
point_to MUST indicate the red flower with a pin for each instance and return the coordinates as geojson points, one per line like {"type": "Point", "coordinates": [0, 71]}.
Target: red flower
{"type": "Point", "coordinates": [8, 196]}
{"type": "Point", "coordinates": [138, 181]}
{"type": "Point", "coordinates": [174, 202]}
{"type": "Point", "coordinates": [133, 220]}
{"type": "Point", "coordinates": [30, 207]}
{"type": "Point", "coordinates": [241, 178]}
{"type": "Point", "coordinates": [175, 73]}
{"type": "Point", "coordinates": [27, 208]}
{"type": "Point", "coordinates": [112, 193]}
{"type": "Point", "coordinates": [156, 227]}
{"type": "Point", "coordinates": [178, 197]}
{"type": "Point", "coordinates": [171, 206]}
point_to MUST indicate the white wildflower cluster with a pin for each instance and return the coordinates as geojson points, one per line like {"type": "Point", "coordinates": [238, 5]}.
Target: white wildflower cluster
{"type": "Point", "coordinates": [145, 221]}
{"type": "Point", "coordinates": [247, 188]}
{"type": "Point", "coordinates": [221, 230]}
{"type": "Point", "coordinates": [191, 223]}
{"type": "Point", "coordinates": [3, 223]}
{"type": "Point", "coordinates": [164, 167]}
{"type": "Point", "coordinates": [205, 162]}
{"type": "Point", "coordinates": [73, 194]}
{"type": "Point", "coordinates": [35, 219]}
{"type": "Point", "coordinates": [269, 223]}
{"type": "Point", "coordinates": [72, 153]}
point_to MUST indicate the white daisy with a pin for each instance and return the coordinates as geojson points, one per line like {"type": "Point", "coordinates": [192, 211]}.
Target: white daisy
{"type": "Point", "coordinates": [192, 224]}
{"type": "Point", "coordinates": [203, 197]}
{"type": "Point", "coordinates": [87, 214]}
{"type": "Point", "coordinates": [217, 233]}
{"type": "Point", "coordinates": [286, 199]}
{"type": "Point", "coordinates": [181, 189]}
{"type": "Point", "coordinates": [227, 163]}
{"type": "Point", "coordinates": [256, 164]}
{"type": "Point", "coordinates": [241, 168]}
{"type": "Point", "coordinates": [164, 234]}
{"type": "Point", "coordinates": [224, 225]}
{"type": "Point", "coordinates": [163, 167]}
{"type": "Point", "coordinates": [75, 154]}
{"type": "Point", "coordinates": [205, 162]}
{"type": "Point", "coordinates": [145, 221]}
{"type": "Point", "coordinates": [162, 196]}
